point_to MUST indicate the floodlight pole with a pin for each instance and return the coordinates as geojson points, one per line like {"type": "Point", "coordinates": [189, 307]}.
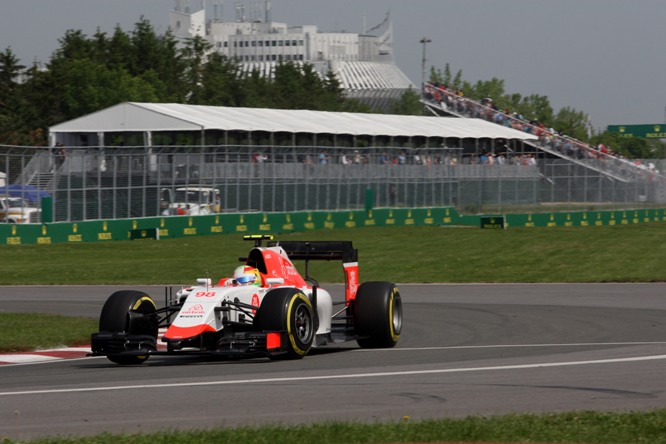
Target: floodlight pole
{"type": "Point", "coordinates": [424, 41]}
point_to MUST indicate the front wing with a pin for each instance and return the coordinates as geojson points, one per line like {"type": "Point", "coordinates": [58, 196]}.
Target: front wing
{"type": "Point", "coordinates": [243, 344]}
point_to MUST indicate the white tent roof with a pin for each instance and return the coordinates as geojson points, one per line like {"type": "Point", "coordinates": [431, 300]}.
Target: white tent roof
{"type": "Point", "coordinates": [132, 116]}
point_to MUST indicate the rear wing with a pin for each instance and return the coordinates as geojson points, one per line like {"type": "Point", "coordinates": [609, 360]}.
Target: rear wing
{"type": "Point", "coordinates": [318, 250]}
{"type": "Point", "coordinates": [326, 251]}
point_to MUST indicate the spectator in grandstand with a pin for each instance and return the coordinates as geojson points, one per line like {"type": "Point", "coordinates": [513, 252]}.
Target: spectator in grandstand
{"type": "Point", "coordinates": [384, 158]}
{"type": "Point", "coordinates": [259, 158]}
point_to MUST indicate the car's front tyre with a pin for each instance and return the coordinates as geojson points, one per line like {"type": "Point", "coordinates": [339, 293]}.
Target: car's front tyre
{"type": "Point", "coordinates": [290, 310]}
{"type": "Point", "coordinates": [128, 311]}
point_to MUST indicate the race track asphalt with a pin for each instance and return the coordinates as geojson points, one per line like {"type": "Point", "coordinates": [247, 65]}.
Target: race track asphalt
{"type": "Point", "coordinates": [479, 349]}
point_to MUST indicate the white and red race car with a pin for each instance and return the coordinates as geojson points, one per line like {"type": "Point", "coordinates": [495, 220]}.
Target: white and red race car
{"type": "Point", "coordinates": [284, 317]}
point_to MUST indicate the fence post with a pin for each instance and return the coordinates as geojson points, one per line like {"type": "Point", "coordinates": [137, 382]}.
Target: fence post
{"type": "Point", "coordinates": [47, 209]}
{"type": "Point", "coordinates": [369, 199]}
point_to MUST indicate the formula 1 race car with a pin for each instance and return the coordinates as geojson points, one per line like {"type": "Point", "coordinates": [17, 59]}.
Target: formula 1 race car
{"type": "Point", "coordinates": [281, 315]}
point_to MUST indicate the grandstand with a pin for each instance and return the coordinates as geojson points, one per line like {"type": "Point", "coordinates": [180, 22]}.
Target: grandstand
{"type": "Point", "coordinates": [559, 156]}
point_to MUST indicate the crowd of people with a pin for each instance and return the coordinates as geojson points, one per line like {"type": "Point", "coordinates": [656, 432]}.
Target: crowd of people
{"type": "Point", "coordinates": [455, 101]}
{"type": "Point", "coordinates": [436, 156]}
{"type": "Point", "coordinates": [600, 156]}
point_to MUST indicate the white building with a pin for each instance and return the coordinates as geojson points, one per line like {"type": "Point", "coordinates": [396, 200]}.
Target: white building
{"type": "Point", "coordinates": [363, 63]}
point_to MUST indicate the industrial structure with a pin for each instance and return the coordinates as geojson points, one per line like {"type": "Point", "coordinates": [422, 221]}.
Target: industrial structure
{"type": "Point", "coordinates": [363, 63]}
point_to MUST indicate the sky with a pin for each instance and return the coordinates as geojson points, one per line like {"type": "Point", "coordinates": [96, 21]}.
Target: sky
{"type": "Point", "coordinates": [602, 57]}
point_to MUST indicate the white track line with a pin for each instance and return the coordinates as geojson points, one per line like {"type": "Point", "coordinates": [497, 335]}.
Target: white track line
{"type": "Point", "coordinates": [466, 347]}
{"type": "Point", "coordinates": [332, 377]}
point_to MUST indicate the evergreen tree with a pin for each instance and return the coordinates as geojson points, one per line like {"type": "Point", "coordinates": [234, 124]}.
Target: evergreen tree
{"type": "Point", "coordinates": [146, 49]}
{"type": "Point", "coordinates": [220, 83]}
{"type": "Point", "coordinates": [9, 69]}
{"type": "Point", "coordinates": [74, 46]}
{"type": "Point", "coordinates": [120, 50]}
{"type": "Point", "coordinates": [409, 104]}
{"type": "Point", "coordinates": [194, 55]}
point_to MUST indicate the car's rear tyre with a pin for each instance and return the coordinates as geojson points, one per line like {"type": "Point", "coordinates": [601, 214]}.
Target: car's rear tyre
{"type": "Point", "coordinates": [290, 310]}
{"type": "Point", "coordinates": [378, 314]}
{"type": "Point", "coordinates": [128, 311]}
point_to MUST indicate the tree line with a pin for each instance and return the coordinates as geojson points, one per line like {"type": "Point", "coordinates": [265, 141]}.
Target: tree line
{"type": "Point", "coordinates": [86, 74]}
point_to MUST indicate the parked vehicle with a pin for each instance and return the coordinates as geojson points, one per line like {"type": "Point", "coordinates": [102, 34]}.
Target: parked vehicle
{"type": "Point", "coordinates": [193, 201]}
{"type": "Point", "coordinates": [15, 210]}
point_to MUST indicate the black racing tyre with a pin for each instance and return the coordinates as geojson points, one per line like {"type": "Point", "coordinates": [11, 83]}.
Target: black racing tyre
{"type": "Point", "coordinates": [128, 311]}
{"type": "Point", "coordinates": [290, 310]}
{"type": "Point", "coordinates": [378, 314]}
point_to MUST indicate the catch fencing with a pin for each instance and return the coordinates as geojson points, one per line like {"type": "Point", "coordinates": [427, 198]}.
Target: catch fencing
{"type": "Point", "coordinates": [105, 183]}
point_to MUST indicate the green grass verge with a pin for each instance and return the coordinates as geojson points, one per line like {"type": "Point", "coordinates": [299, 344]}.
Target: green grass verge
{"type": "Point", "coordinates": [576, 427]}
{"type": "Point", "coordinates": [633, 253]}
{"type": "Point", "coordinates": [34, 331]}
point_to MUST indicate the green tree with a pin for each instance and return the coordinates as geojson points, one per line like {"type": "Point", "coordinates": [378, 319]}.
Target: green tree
{"type": "Point", "coordinates": [86, 86]}
{"type": "Point", "coordinates": [170, 69]}
{"type": "Point", "coordinates": [13, 109]}
{"type": "Point", "coordinates": [536, 107]}
{"type": "Point", "coordinates": [632, 147]}
{"type": "Point", "coordinates": [9, 69]}
{"type": "Point", "coordinates": [333, 98]}
{"type": "Point", "coordinates": [571, 123]}
{"type": "Point", "coordinates": [119, 51]}
{"type": "Point", "coordinates": [409, 104]}
{"type": "Point", "coordinates": [220, 83]}
{"type": "Point", "coordinates": [146, 48]}
{"type": "Point", "coordinates": [315, 94]}
{"type": "Point", "coordinates": [257, 89]}
{"type": "Point", "coordinates": [446, 77]}
{"type": "Point", "coordinates": [436, 76]}
{"type": "Point", "coordinates": [287, 86]}
{"type": "Point", "coordinates": [194, 55]}
{"type": "Point", "coordinates": [493, 88]}
{"type": "Point", "coordinates": [75, 46]}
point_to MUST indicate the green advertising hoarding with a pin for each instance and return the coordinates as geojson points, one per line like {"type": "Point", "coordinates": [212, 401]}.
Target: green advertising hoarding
{"type": "Point", "coordinates": [649, 131]}
{"type": "Point", "coordinates": [170, 227]}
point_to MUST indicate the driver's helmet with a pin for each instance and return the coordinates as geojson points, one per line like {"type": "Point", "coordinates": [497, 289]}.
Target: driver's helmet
{"type": "Point", "coordinates": [246, 275]}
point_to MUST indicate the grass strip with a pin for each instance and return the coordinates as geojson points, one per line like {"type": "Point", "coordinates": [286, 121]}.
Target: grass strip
{"type": "Point", "coordinates": [35, 331]}
{"type": "Point", "coordinates": [632, 253]}
{"type": "Point", "coordinates": [574, 427]}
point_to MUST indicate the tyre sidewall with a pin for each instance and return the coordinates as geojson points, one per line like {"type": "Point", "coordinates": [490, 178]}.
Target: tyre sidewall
{"type": "Point", "coordinates": [278, 312]}
{"type": "Point", "coordinates": [376, 305]}
{"type": "Point", "coordinates": [120, 309]}
{"type": "Point", "coordinates": [126, 311]}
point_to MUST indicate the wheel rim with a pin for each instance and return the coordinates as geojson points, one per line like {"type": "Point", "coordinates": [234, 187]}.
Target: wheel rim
{"type": "Point", "coordinates": [303, 323]}
{"type": "Point", "coordinates": [397, 315]}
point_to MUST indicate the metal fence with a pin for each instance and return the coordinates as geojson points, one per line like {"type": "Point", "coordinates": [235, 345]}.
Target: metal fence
{"type": "Point", "coordinates": [91, 183]}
